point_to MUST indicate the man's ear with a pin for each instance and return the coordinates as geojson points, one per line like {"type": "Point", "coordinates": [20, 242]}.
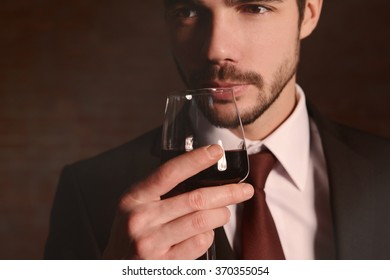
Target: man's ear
{"type": "Point", "coordinates": [311, 16]}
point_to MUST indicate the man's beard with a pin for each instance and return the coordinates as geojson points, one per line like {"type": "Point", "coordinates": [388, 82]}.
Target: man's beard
{"type": "Point", "coordinates": [281, 78]}
{"type": "Point", "coordinates": [267, 94]}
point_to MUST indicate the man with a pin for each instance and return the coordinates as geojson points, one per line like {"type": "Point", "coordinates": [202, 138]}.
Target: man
{"type": "Point", "coordinates": [327, 192]}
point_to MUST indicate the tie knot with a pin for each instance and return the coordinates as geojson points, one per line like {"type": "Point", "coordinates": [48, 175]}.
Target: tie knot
{"type": "Point", "coordinates": [261, 165]}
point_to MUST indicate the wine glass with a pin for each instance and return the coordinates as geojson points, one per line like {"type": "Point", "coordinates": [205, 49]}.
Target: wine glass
{"type": "Point", "coordinates": [202, 117]}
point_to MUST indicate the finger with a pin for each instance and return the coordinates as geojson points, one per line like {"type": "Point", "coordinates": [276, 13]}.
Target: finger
{"type": "Point", "coordinates": [191, 225]}
{"type": "Point", "coordinates": [157, 213]}
{"type": "Point", "coordinates": [174, 172]}
{"type": "Point", "coordinates": [192, 248]}
{"type": "Point", "coordinates": [164, 211]}
{"type": "Point", "coordinates": [200, 199]}
{"type": "Point", "coordinates": [157, 242]}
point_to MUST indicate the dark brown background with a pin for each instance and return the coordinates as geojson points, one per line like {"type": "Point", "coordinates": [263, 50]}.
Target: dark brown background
{"type": "Point", "coordinates": [80, 77]}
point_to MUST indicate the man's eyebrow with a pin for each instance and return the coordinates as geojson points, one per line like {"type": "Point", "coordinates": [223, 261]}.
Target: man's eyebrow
{"type": "Point", "coordinates": [227, 2]}
{"type": "Point", "coordinates": [234, 2]}
{"type": "Point", "coordinates": [169, 3]}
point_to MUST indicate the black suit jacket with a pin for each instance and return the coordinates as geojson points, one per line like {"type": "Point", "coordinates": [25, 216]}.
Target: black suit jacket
{"type": "Point", "coordinates": [359, 175]}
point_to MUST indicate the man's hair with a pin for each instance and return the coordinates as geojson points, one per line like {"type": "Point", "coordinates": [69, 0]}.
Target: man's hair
{"type": "Point", "coordinates": [301, 10]}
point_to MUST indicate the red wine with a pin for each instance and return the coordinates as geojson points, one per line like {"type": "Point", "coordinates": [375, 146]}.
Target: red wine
{"type": "Point", "coordinates": [237, 169]}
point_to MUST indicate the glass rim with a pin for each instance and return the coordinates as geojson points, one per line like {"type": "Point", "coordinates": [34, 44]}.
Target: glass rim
{"type": "Point", "coordinates": [200, 91]}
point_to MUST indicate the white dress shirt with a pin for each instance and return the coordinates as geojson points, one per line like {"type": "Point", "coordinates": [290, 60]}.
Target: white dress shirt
{"type": "Point", "coordinates": [297, 189]}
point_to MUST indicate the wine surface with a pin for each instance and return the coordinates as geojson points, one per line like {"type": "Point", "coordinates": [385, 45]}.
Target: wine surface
{"type": "Point", "coordinates": [236, 171]}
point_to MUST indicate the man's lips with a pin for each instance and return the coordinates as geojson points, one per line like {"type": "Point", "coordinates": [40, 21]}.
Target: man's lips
{"type": "Point", "coordinates": [217, 84]}
{"type": "Point", "coordinates": [238, 88]}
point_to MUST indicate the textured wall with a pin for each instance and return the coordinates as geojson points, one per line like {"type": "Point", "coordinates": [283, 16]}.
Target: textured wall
{"type": "Point", "coordinates": [345, 64]}
{"type": "Point", "coordinates": [80, 77]}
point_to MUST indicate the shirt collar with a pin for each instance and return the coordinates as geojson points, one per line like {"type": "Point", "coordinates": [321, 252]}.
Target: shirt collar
{"type": "Point", "coordinates": [290, 143]}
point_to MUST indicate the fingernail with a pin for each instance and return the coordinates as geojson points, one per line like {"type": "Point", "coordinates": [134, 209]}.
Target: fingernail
{"type": "Point", "coordinates": [214, 151]}
{"type": "Point", "coordinates": [248, 190]}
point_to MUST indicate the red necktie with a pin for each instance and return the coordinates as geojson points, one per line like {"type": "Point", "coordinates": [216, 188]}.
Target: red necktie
{"type": "Point", "coordinates": [260, 240]}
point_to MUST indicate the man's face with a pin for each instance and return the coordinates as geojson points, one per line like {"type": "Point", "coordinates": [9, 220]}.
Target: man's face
{"type": "Point", "coordinates": [252, 46]}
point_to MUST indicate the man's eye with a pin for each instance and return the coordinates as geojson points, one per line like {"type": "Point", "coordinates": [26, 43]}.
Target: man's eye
{"type": "Point", "coordinates": [184, 13]}
{"type": "Point", "coordinates": [253, 9]}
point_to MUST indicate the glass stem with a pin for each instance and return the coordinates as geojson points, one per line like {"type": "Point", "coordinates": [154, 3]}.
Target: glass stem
{"type": "Point", "coordinates": [211, 253]}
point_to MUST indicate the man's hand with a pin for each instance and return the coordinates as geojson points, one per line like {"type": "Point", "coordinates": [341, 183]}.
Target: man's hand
{"type": "Point", "coordinates": [180, 227]}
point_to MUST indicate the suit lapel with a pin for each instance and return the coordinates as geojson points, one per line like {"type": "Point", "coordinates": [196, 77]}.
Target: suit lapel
{"type": "Point", "coordinates": [350, 178]}
{"type": "Point", "coordinates": [222, 246]}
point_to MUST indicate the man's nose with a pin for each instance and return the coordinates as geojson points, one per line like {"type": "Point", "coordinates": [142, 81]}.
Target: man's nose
{"type": "Point", "coordinates": [222, 40]}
